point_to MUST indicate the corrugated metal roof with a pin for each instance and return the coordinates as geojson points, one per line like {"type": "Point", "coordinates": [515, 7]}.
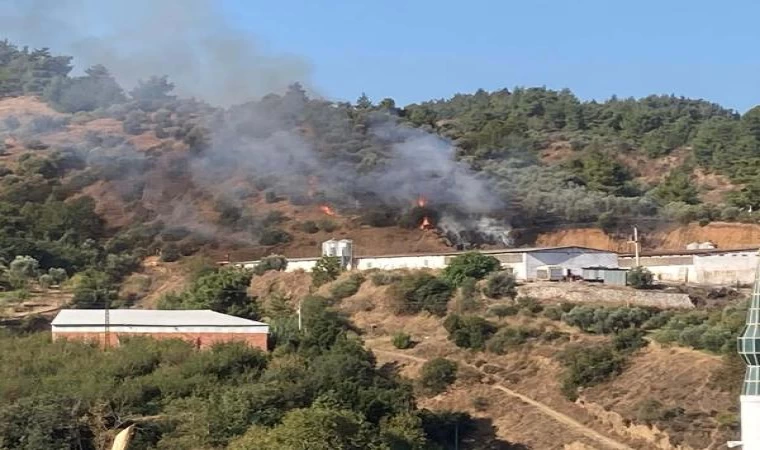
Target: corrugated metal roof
{"type": "Point", "coordinates": [150, 318]}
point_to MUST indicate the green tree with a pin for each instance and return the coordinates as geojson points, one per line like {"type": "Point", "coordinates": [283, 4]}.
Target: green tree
{"type": "Point", "coordinates": [224, 290]}
{"type": "Point", "coordinates": [437, 374]}
{"type": "Point", "coordinates": [469, 265]}
{"type": "Point", "coordinates": [21, 270]}
{"type": "Point", "coordinates": [93, 290]}
{"type": "Point", "coordinates": [325, 270]}
{"type": "Point", "coordinates": [420, 292]}
{"type": "Point", "coordinates": [314, 428]}
{"type": "Point", "coordinates": [677, 187]}
{"type": "Point", "coordinates": [640, 278]}
{"type": "Point", "coordinates": [154, 88]}
{"type": "Point", "coordinates": [363, 102]}
{"type": "Point", "coordinates": [501, 284]}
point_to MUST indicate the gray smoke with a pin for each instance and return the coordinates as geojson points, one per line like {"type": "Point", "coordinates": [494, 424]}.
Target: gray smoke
{"type": "Point", "coordinates": [191, 41]}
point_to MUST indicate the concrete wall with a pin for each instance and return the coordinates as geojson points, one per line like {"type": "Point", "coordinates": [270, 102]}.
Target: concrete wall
{"type": "Point", "coordinates": [573, 259]}
{"type": "Point", "coordinates": [727, 268]}
{"type": "Point", "coordinates": [200, 340]}
{"type": "Point", "coordinates": [717, 268]}
{"type": "Point", "coordinates": [401, 262]}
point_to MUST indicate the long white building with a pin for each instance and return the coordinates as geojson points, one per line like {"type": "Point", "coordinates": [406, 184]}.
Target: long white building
{"type": "Point", "coordinates": [701, 266]}
{"type": "Point", "coordinates": [522, 262]}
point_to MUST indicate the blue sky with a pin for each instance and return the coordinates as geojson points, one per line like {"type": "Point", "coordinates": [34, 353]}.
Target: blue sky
{"type": "Point", "coordinates": [421, 49]}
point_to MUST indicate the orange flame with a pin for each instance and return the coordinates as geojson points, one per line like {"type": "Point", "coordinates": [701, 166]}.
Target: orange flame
{"type": "Point", "coordinates": [327, 210]}
{"type": "Point", "coordinates": [421, 201]}
{"type": "Point", "coordinates": [426, 225]}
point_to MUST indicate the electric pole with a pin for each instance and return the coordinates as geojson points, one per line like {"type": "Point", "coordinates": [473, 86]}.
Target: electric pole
{"type": "Point", "coordinates": [637, 245]}
{"type": "Point", "coordinates": [300, 321]}
{"type": "Point", "coordinates": [107, 320]}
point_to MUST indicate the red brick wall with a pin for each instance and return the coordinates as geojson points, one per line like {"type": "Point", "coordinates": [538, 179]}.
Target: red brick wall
{"type": "Point", "coordinates": [202, 340]}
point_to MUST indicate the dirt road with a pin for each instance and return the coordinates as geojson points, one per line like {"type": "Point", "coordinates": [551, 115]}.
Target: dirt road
{"type": "Point", "coordinates": [554, 414]}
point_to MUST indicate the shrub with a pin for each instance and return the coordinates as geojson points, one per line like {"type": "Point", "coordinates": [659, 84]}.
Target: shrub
{"type": "Point", "coordinates": [649, 411]}
{"type": "Point", "coordinates": [629, 340]}
{"type": "Point", "coordinates": [379, 218]}
{"type": "Point", "coordinates": [553, 312]}
{"type": "Point", "coordinates": [502, 311]}
{"type": "Point", "coordinates": [508, 338]}
{"type": "Point", "coordinates": [308, 227]}
{"type": "Point", "coordinates": [45, 281]}
{"type": "Point", "coordinates": [401, 340]}
{"type": "Point", "coordinates": [325, 270]}
{"type": "Point", "coordinates": [58, 275]}
{"type": "Point", "coordinates": [587, 366]}
{"type": "Point", "coordinates": [640, 278]}
{"type": "Point", "coordinates": [383, 278]}
{"type": "Point", "coordinates": [327, 225]}
{"type": "Point", "coordinates": [274, 236]}
{"type": "Point", "coordinates": [529, 305]}
{"type": "Point", "coordinates": [468, 331]}
{"type": "Point", "coordinates": [420, 292]}
{"type": "Point", "coordinates": [271, 262]}
{"type": "Point", "coordinates": [438, 374]}
{"type": "Point", "coordinates": [347, 287]}
{"type": "Point", "coordinates": [469, 265]}
{"type": "Point", "coordinates": [468, 297]}
{"type": "Point", "coordinates": [501, 284]}
{"type": "Point", "coordinates": [170, 252]}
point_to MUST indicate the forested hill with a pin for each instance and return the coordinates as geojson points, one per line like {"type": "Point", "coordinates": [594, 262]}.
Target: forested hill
{"type": "Point", "coordinates": [130, 172]}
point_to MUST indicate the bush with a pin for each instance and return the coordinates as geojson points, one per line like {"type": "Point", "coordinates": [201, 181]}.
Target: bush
{"type": "Point", "coordinates": [640, 278]}
{"type": "Point", "coordinates": [325, 270]}
{"type": "Point", "coordinates": [587, 366]}
{"type": "Point", "coordinates": [272, 262]}
{"type": "Point", "coordinates": [502, 311]}
{"type": "Point", "coordinates": [468, 331]}
{"type": "Point", "coordinates": [170, 252]}
{"type": "Point", "coordinates": [327, 225]}
{"type": "Point", "coordinates": [629, 340]}
{"type": "Point", "coordinates": [383, 278]}
{"type": "Point", "coordinates": [401, 340]}
{"type": "Point", "coordinates": [508, 338]}
{"type": "Point", "coordinates": [468, 298]}
{"type": "Point", "coordinates": [274, 236]}
{"type": "Point", "coordinates": [469, 265]}
{"type": "Point", "coordinates": [553, 312]}
{"type": "Point", "coordinates": [308, 227]}
{"type": "Point", "coordinates": [500, 284]}
{"type": "Point", "coordinates": [529, 305]}
{"type": "Point", "coordinates": [347, 287]}
{"type": "Point", "coordinates": [438, 374]}
{"type": "Point", "coordinates": [420, 292]}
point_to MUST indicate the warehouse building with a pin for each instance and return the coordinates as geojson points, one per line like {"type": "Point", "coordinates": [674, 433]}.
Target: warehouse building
{"type": "Point", "coordinates": [202, 328]}
{"type": "Point", "coordinates": [524, 263]}
{"type": "Point", "coordinates": [710, 266]}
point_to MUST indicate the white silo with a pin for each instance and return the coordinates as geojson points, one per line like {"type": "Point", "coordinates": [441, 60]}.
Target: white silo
{"type": "Point", "coordinates": [330, 248]}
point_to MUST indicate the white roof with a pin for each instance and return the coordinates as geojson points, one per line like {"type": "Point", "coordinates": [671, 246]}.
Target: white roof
{"type": "Point", "coordinates": [151, 317]}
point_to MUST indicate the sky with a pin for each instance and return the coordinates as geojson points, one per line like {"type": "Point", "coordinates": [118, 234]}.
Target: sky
{"type": "Point", "coordinates": [417, 50]}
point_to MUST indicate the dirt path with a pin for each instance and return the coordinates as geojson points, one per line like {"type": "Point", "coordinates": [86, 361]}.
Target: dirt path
{"type": "Point", "coordinates": [556, 415]}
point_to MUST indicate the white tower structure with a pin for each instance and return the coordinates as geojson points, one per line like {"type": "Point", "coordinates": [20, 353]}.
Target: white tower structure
{"type": "Point", "coordinates": [749, 350]}
{"type": "Point", "coordinates": [342, 249]}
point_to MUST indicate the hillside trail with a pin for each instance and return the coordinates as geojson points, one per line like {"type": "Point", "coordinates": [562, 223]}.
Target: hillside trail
{"type": "Point", "coordinates": [554, 414]}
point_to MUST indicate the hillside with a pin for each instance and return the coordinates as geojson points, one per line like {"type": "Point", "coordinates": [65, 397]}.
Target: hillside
{"type": "Point", "coordinates": [665, 396]}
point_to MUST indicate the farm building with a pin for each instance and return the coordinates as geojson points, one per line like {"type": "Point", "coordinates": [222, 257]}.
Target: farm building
{"type": "Point", "coordinates": [523, 262]}
{"type": "Point", "coordinates": [202, 328]}
{"type": "Point", "coordinates": [701, 266]}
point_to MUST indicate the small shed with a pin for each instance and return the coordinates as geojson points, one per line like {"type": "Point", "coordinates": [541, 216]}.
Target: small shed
{"type": "Point", "coordinates": [202, 328]}
{"type": "Point", "coordinates": [614, 276]}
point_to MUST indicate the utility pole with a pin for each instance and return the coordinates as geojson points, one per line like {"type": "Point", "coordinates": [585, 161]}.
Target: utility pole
{"type": "Point", "coordinates": [637, 245]}
{"type": "Point", "coordinates": [107, 321]}
{"type": "Point", "coordinates": [300, 321]}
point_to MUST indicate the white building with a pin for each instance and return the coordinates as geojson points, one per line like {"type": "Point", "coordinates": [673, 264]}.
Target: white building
{"type": "Point", "coordinates": [523, 262]}
{"type": "Point", "coordinates": [701, 266]}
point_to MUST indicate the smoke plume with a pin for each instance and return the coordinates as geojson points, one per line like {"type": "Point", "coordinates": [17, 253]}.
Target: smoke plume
{"type": "Point", "coordinates": [191, 41]}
